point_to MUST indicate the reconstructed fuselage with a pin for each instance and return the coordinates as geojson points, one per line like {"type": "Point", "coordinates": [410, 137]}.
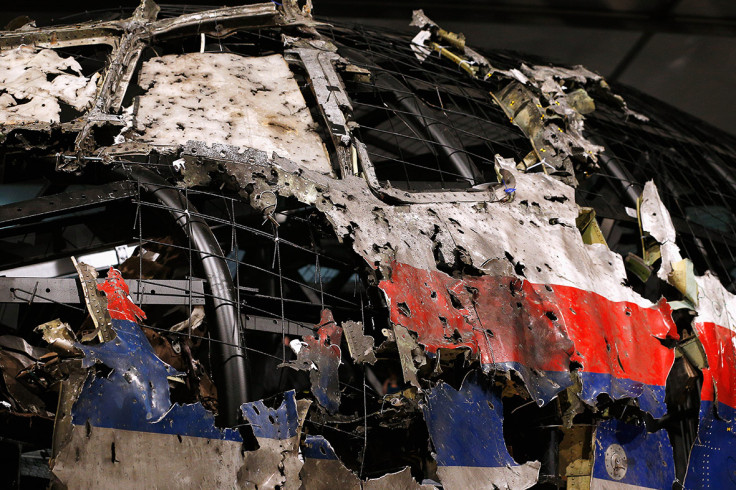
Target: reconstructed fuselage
{"type": "Point", "coordinates": [343, 257]}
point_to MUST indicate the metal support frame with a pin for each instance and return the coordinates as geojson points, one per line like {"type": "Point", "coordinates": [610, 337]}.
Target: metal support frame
{"type": "Point", "coordinates": [64, 290]}
{"type": "Point", "coordinates": [66, 201]}
{"type": "Point", "coordinates": [229, 353]}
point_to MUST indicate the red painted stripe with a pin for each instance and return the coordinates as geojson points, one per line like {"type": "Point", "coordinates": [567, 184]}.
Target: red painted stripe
{"type": "Point", "coordinates": [718, 343]}
{"type": "Point", "coordinates": [543, 327]}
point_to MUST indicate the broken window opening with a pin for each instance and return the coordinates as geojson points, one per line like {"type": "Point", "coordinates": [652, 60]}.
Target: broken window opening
{"type": "Point", "coordinates": [398, 100]}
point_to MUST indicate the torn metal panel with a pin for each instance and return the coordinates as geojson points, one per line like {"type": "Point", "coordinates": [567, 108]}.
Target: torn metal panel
{"type": "Point", "coordinates": [538, 331]}
{"type": "Point", "coordinates": [535, 99]}
{"type": "Point", "coordinates": [94, 457]}
{"type": "Point", "coordinates": [320, 356]}
{"type": "Point", "coordinates": [412, 234]}
{"type": "Point", "coordinates": [60, 337]}
{"type": "Point", "coordinates": [359, 344]}
{"type": "Point", "coordinates": [409, 351]}
{"type": "Point", "coordinates": [710, 464]}
{"type": "Point", "coordinates": [97, 303]}
{"type": "Point", "coordinates": [542, 204]}
{"type": "Point", "coordinates": [627, 456]}
{"type": "Point", "coordinates": [322, 469]}
{"type": "Point", "coordinates": [229, 99]}
{"type": "Point", "coordinates": [524, 109]}
{"type": "Point", "coordinates": [466, 428]}
{"type": "Point", "coordinates": [122, 404]}
{"type": "Point", "coordinates": [400, 480]}
{"type": "Point", "coordinates": [420, 238]}
{"type": "Point", "coordinates": [16, 358]}
{"type": "Point", "coordinates": [34, 81]}
{"type": "Point", "coordinates": [275, 464]}
{"type": "Point", "coordinates": [655, 220]}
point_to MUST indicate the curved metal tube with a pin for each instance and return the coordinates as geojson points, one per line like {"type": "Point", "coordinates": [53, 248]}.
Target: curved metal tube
{"type": "Point", "coordinates": [230, 356]}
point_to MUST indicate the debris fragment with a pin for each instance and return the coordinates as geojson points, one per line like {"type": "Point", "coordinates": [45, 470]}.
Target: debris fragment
{"type": "Point", "coordinates": [34, 82]}
{"type": "Point", "coordinates": [359, 344]}
{"type": "Point", "coordinates": [276, 462]}
{"type": "Point", "coordinates": [60, 337]}
{"type": "Point", "coordinates": [322, 469]}
{"type": "Point", "coordinates": [131, 382]}
{"type": "Point", "coordinates": [320, 356]}
{"type": "Point", "coordinates": [466, 428]}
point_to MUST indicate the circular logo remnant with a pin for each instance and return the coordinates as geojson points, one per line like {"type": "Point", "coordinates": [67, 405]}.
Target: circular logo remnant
{"type": "Point", "coordinates": [616, 463]}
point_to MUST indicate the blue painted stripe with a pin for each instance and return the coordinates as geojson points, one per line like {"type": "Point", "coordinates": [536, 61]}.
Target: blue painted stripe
{"type": "Point", "coordinates": [713, 457]}
{"type": "Point", "coordinates": [651, 397]}
{"type": "Point", "coordinates": [649, 460]}
{"type": "Point", "coordinates": [544, 386]}
{"type": "Point", "coordinates": [135, 394]}
{"type": "Point", "coordinates": [466, 426]}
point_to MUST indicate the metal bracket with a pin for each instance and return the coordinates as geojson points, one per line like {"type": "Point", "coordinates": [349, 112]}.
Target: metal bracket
{"type": "Point", "coordinates": [273, 325]}
{"type": "Point", "coordinates": [332, 100]}
{"type": "Point", "coordinates": [64, 290]}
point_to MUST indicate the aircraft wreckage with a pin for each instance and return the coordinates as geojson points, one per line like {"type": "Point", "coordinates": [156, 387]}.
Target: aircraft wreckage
{"type": "Point", "coordinates": [246, 248]}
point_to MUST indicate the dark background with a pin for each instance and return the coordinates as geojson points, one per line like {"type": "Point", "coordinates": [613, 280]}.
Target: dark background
{"type": "Point", "coordinates": [682, 52]}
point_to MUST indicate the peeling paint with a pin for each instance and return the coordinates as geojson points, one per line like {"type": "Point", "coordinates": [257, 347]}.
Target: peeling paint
{"type": "Point", "coordinates": [34, 81]}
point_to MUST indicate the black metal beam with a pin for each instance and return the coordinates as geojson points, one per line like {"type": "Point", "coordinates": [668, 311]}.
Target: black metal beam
{"type": "Point", "coordinates": [42, 207]}
{"type": "Point", "coordinates": [64, 290]}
